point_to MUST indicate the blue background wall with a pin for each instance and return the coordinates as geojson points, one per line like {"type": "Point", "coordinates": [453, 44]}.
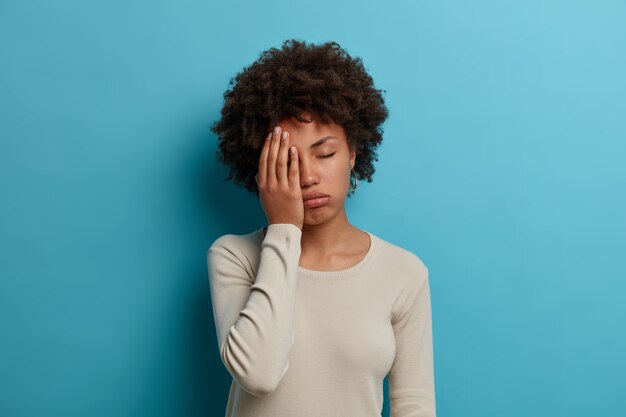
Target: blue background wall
{"type": "Point", "coordinates": [502, 168]}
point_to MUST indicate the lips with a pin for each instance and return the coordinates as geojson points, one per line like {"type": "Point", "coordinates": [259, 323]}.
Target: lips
{"type": "Point", "coordinates": [316, 202]}
{"type": "Point", "coordinates": [312, 195]}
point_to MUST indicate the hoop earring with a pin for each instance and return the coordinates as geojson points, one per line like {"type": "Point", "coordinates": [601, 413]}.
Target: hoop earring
{"type": "Point", "coordinates": [356, 181]}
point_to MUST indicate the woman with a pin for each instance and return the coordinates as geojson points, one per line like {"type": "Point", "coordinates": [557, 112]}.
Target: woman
{"type": "Point", "coordinates": [311, 312]}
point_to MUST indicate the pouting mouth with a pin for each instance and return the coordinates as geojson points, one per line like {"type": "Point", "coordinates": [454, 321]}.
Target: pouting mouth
{"type": "Point", "coordinates": [312, 196]}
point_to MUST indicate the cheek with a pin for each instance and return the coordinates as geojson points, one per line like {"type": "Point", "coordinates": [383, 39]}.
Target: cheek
{"type": "Point", "coordinates": [335, 172]}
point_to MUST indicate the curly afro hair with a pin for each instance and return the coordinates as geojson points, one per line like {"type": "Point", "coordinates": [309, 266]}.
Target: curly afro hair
{"type": "Point", "coordinates": [321, 80]}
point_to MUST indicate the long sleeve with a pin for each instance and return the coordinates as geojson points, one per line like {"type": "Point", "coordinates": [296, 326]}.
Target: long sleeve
{"type": "Point", "coordinates": [254, 314]}
{"type": "Point", "coordinates": [411, 377]}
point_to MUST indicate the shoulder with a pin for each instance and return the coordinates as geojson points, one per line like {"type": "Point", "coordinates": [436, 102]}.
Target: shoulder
{"type": "Point", "coordinates": [409, 275]}
{"type": "Point", "coordinates": [403, 262]}
{"type": "Point", "coordinates": [242, 247]}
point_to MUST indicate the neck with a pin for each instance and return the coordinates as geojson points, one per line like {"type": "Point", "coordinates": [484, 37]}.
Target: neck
{"type": "Point", "coordinates": [329, 237]}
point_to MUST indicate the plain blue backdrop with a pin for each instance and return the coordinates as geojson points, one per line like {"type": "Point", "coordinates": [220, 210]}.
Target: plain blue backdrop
{"type": "Point", "coordinates": [502, 167]}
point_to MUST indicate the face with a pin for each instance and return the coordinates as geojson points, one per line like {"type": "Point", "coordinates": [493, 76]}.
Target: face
{"type": "Point", "coordinates": [324, 164]}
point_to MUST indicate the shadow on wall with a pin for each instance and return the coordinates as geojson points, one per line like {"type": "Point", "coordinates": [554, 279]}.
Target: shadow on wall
{"type": "Point", "coordinates": [223, 208]}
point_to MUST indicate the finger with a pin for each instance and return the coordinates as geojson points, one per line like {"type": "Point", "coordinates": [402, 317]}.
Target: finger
{"type": "Point", "coordinates": [283, 158]}
{"type": "Point", "coordinates": [294, 170]}
{"type": "Point", "coordinates": [262, 174]}
{"type": "Point", "coordinates": [273, 155]}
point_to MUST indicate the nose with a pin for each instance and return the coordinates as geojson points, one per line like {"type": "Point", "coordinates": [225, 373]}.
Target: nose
{"type": "Point", "coordinates": [307, 175]}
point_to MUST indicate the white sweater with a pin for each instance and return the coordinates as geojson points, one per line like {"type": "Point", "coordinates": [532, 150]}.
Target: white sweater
{"type": "Point", "coordinates": [306, 343]}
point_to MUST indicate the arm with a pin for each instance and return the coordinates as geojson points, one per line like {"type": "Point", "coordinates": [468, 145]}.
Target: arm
{"type": "Point", "coordinates": [411, 377]}
{"type": "Point", "coordinates": [254, 316]}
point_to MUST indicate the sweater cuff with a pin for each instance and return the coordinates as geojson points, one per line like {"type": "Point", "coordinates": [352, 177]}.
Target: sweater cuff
{"type": "Point", "coordinates": [284, 229]}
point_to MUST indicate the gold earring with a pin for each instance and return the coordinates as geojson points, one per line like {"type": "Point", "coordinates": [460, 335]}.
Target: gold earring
{"type": "Point", "coordinates": [356, 181]}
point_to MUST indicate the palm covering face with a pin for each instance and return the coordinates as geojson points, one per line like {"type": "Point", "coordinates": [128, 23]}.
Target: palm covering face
{"type": "Point", "coordinates": [278, 180]}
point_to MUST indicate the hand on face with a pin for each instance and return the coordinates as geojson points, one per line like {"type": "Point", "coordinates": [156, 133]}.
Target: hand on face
{"type": "Point", "coordinates": [279, 183]}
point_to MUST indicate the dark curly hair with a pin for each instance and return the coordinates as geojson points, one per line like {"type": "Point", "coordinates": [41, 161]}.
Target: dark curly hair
{"type": "Point", "coordinates": [321, 80]}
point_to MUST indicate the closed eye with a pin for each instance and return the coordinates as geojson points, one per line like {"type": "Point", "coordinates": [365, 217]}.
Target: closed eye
{"type": "Point", "coordinates": [328, 156]}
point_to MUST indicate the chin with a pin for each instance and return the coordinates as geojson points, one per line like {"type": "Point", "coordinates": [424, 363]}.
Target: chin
{"type": "Point", "coordinates": [317, 215]}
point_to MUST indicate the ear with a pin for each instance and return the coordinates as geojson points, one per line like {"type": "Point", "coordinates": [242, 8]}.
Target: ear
{"type": "Point", "coordinates": [352, 158]}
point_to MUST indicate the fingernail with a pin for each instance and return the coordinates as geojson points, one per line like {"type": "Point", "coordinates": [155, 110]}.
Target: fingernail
{"type": "Point", "coordinates": [277, 130]}
{"type": "Point", "coordinates": [284, 135]}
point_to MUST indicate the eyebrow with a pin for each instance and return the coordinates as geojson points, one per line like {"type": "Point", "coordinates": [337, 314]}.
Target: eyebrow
{"type": "Point", "coordinates": [321, 141]}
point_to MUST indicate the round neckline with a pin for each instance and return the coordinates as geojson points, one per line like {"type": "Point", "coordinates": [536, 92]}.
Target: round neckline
{"type": "Point", "coordinates": [341, 273]}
